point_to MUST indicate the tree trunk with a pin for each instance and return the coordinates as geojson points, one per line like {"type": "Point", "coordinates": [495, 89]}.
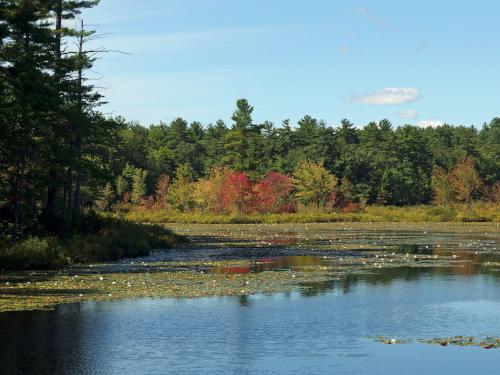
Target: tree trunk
{"type": "Point", "coordinates": [18, 186]}
{"type": "Point", "coordinates": [77, 202]}
{"type": "Point", "coordinates": [50, 219]}
{"type": "Point", "coordinates": [78, 142]}
{"type": "Point", "coordinates": [17, 211]}
{"type": "Point", "coordinates": [68, 190]}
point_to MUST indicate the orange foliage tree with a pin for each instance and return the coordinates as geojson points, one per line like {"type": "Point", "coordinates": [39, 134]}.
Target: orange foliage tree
{"type": "Point", "coordinates": [465, 181]}
{"type": "Point", "coordinates": [492, 193]}
{"type": "Point", "coordinates": [208, 192]}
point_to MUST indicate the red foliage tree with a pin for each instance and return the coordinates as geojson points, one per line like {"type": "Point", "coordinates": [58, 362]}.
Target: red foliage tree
{"type": "Point", "coordinates": [236, 192]}
{"type": "Point", "coordinates": [272, 194]}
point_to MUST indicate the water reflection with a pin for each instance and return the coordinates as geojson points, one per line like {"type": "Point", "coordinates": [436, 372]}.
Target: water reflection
{"type": "Point", "coordinates": [462, 262]}
{"type": "Point", "coordinates": [320, 328]}
{"type": "Point", "coordinates": [271, 264]}
{"type": "Point", "coordinates": [322, 324]}
{"type": "Point", "coordinates": [41, 343]}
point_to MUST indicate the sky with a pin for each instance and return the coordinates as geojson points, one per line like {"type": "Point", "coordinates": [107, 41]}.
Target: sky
{"type": "Point", "coordinates": [418, 62]}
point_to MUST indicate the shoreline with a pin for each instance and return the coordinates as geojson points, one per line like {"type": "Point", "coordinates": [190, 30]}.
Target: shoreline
{"type": "Point", "coordinates": [479, 212]}
{"type": "Point", "coordinates": [232, 260]}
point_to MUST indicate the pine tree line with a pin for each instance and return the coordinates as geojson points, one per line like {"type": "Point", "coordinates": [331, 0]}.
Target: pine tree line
{"type": "Point", "coordinates": [59, 154]}
{"type": "Point", "coordinates": [48, 119]}
{"type": "Point", "coordinates": [377, 163]}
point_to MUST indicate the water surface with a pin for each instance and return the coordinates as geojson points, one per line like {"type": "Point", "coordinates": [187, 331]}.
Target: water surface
{"type": "Point", "coordinates": [322, 328]}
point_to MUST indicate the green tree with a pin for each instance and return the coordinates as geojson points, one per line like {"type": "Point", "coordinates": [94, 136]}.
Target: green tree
{"type": "Point", "coordinates": [441, 187]}
{"type": "Point", "coordinates": [106, 198]}
{"type": "Point", "coordinates": [28, 100]}
{"type": "Point", "coordinates": [400, 185]}
{"type": "Point", "coordinates": [138, 185]}
{"type": "Point", "coordinates": [122, 186]}
{"type": "Point", "coordinates": [236, 142]}
{"type": "Point", "coordinates": [313, 183]}
{"type": "Point", "coordinates": [181, 191]}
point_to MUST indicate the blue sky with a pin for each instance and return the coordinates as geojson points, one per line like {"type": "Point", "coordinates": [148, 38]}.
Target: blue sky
{"type": "Point", "coordinates": [413, 62]}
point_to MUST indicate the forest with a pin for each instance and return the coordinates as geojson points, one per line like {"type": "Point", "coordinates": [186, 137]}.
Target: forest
{"type": "Point", "coordinates": [62, 159]}
{"type": "Point", "coordinates": [248, 167]}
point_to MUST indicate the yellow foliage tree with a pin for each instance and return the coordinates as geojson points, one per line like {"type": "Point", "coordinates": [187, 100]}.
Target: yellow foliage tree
{"type": "Point", "coordinates": [441, 189]}
{"type": "Point", "coordinates": [313, 183]}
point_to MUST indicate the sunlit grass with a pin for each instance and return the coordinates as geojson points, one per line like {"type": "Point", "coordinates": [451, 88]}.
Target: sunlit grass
{"type": "Point", "coordinates": [476, 212]}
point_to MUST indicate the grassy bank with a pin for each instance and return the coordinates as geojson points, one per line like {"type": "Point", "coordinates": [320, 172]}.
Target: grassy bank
{"type": "Point", "coordinates": [477, 212]}
{"type": "Point", "coordinates": [105, 239]}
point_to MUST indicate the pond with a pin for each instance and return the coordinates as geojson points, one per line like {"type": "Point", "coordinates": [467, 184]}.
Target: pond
{"type": "Point", "coordinates": [320, 325]}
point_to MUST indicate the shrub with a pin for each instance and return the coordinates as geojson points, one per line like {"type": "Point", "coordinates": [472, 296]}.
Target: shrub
{"type": "Point", "coordinates": [33, 253]}
{"type": "Point", "coordinates": [119, 239]}
{"type": "Point", "coordinates": [99, 239]}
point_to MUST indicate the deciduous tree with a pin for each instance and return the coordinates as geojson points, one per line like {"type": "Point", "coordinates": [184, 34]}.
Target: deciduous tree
{"type": "Point", "coordinates": [236, 192]}
{"type": "Point", "coordinates": [465, 181]}
{"type": "Point", "coordinates": [313, 183]}
{"type": "Point", "coordinates": [273, 193]}
{"type": "Point", "coordinates": [442, 192]}
{"type": "Point", "coordinates": [181, 191]}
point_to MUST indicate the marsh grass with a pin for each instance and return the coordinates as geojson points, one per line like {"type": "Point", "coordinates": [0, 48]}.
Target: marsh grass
{"type": "Point", "coordinates": [476, 212]}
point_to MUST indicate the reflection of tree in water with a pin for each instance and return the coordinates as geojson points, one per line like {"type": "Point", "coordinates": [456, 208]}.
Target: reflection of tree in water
{"type": "Point", "coordinates": [375, 277]}
{"type": "Point", "coordinates": [243, 300]}
{"type": "Point", "coordinates": [30, 342]}
{"type": "Point", "coordinates": [387, 276]}
{"type": "Point", "coordinates": [414, 249]}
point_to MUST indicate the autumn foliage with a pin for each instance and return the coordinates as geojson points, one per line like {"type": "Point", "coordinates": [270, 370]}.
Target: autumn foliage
{"type": "Point", "coordinates": [273, 193]}
{"type": "Point", "coordinates": [465, 181]}
{"type": "Point", "coordinates": [237, 192]}
{"type": "Point", "coordinates": [225, 191]}
{"type": "Point", "coordinates": [462, 184]}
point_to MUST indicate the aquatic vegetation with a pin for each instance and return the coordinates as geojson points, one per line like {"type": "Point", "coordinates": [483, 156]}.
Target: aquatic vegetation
{"type": "Point", "coordinates": [486, 343]}
{"type": "Point", "coordinates": [391, 340]}
{"type": "Point", "coordinates": [229, 260]}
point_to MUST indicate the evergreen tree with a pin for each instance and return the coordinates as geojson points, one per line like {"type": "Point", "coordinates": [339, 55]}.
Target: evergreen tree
{"type": "Point", "coordinates": [107, 197]}
{"type": "Point", "coordinates": [138, 185]}
{"type": "Point", "coordinates": [122, 186]}
{"type": "Point", "coordinates": [236, 140]}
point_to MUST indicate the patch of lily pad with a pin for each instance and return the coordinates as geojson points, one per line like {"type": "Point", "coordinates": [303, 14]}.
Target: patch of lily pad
{"type": "Point", "coordinates": [185, 279]}
{"type": "Point", "coordinates": [486, 343]}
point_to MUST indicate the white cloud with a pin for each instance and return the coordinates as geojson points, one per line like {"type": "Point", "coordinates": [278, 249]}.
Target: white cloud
{"type": "Point", "coordinates": [390, 95]}
{"type": "Point", "coordinates": [361, 10]}
{"type": "Point", "coordinates": [407, 113]}
{"type": "Point", "coordinates": [430, 123]}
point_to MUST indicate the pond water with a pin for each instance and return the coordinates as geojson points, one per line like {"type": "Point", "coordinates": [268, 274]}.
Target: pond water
{"type": "Point", "coordinates": [323, 328]}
